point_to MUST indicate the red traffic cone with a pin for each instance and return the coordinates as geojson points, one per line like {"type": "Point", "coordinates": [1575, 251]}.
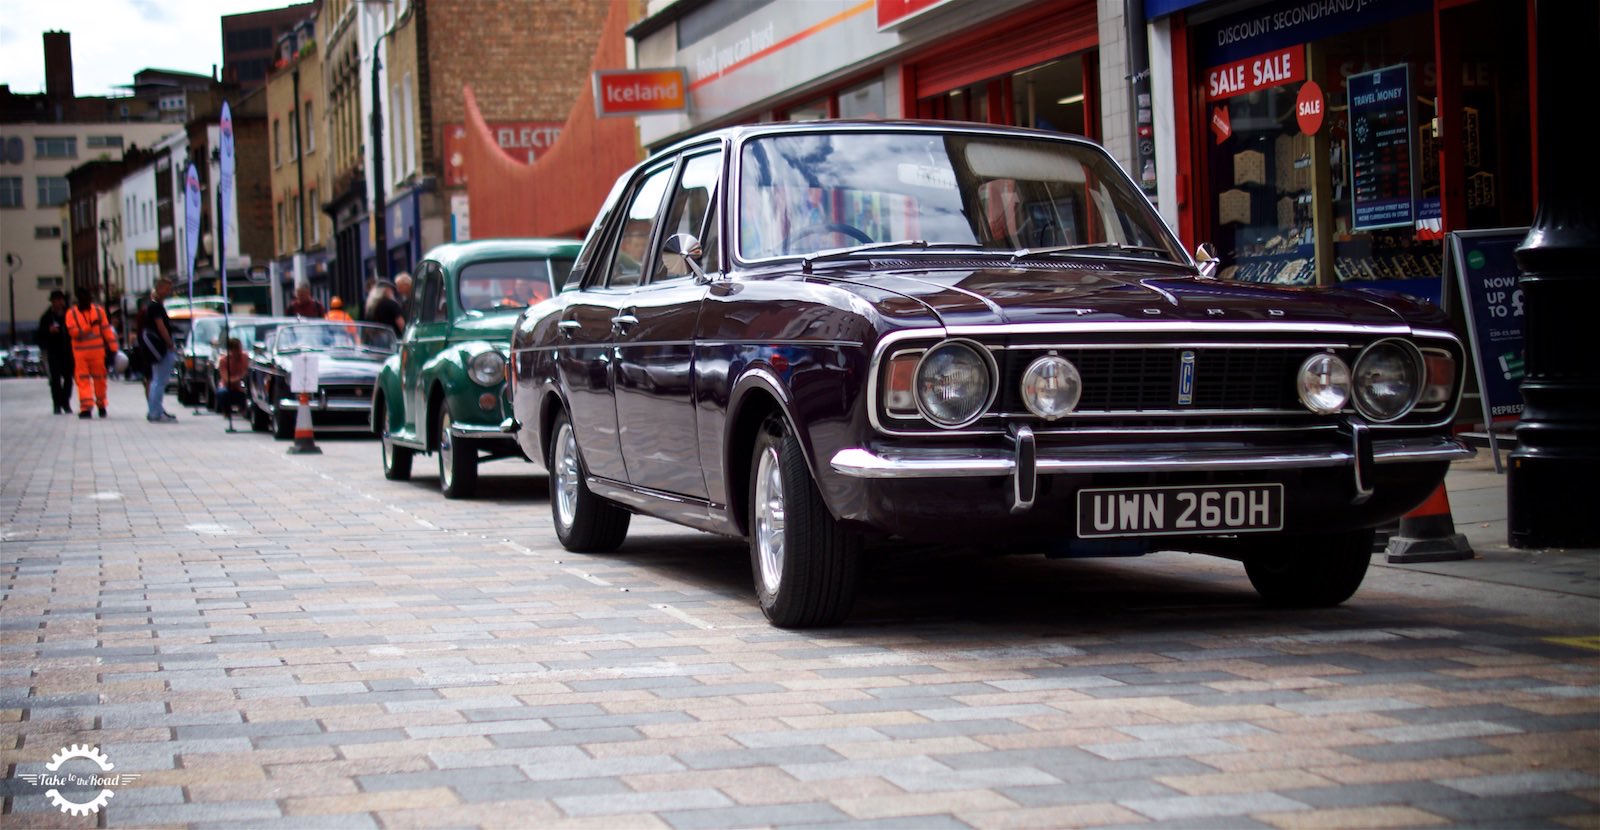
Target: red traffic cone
{"type": "Point", "coordinates": [1428, 533]}
{"type": "Point", "coordinates": [304, 441]}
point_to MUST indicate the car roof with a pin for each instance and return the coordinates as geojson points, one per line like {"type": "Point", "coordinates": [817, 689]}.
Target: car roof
{"type": "Point", "coordinates": [452, 254]}
{"type": "Point", "coordinates": [833, 125]}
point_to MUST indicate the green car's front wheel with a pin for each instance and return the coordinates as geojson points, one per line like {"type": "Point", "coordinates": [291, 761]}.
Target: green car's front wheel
{"type": "Point", "coordinates": [458, 462]}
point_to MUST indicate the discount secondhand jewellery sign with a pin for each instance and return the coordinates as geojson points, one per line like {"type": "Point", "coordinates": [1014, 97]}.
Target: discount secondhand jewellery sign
{"type": "Point", "coordinates": [626, 92]}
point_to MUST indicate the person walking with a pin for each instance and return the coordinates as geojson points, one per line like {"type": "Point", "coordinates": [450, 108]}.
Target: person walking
{"type": "Point", "coordinates": [162, 349]}
{"type": "Point", "coordinates": [304, 305]}
{"type": "Point", "coordinates": [383, 308]}
{"type": "Point", "coordinates": [57, 345]}
{"type": "Point", "coordinates": [93, 340]}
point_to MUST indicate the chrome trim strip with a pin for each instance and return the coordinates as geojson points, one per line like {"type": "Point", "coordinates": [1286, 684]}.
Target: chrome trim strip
{"type": "Point", "coordinates": [1176, 326]}
{"type": "Point", "coordinates": [856, 462]}
{"type": "Point", "coordinates": [1327, 344]}
{"type": "Point", "coordinates": [879, 351]}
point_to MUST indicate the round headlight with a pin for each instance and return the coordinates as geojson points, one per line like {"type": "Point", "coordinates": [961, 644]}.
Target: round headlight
{"type": "Point", "coordinates": [1388, 379]}
{"type": "Point", "coordinates": [954, 384]}
{"type": "Point", "coordinates": [487, 368]}
{"type": "Point", "coordinates": [1051, 386]}
{"type": "Point", "coordinates": [1324, 383]}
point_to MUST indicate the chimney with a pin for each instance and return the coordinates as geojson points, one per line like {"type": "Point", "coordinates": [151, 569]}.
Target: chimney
{"type": "Point", "coordinates": [58, 66]}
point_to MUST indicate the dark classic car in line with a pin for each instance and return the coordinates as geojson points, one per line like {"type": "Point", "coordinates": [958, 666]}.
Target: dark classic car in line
{"type": "Point", "coordinates": [196, 368]}
{"type": "Point", "coordinates": [443, 392]}
{"type": "Point", "coordinates": [811, 334]}
{"type": "Point", "coordinates": [349, 356]}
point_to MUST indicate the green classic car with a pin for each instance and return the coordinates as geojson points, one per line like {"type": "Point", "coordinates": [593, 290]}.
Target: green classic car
{"type": "Point", "coordinates": [444, 391]}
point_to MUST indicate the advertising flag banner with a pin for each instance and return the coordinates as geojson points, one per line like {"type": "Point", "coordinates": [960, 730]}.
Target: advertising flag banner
{"type": "Point", "coordinates": [224, 194]}
{"type": "Point", "coordinates": [191, 219]}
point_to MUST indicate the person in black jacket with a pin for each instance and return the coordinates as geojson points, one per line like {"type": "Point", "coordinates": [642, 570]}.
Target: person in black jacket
{"type": "Point", "coordinates": [57, 345]}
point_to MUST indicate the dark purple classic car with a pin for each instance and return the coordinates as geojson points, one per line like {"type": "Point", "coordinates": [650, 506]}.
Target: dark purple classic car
{"type": "Point", "coordinates": [809, 335]}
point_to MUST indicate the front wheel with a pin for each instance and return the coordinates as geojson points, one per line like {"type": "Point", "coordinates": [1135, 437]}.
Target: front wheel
{"type": "Point", "coordinates": [1309, 572]}
{"type": "Point", "coordinates": [283, 424]}
{"type": "Point", "coordinates": [396, 459]}
{"type": "Point", "coordinates": [806, 565]}
{"type": "Point", "coordinates": [458, 462]}
{"type": "Point", "coordinates": [584, 522]}
{"type": "Point", "coordinates": [259, 420]}
{"type": "Point", "coordinates": [185, 397]}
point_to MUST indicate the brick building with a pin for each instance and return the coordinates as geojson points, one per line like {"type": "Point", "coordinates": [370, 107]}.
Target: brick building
{"type": "Point", "coordinates": [299, 146]}
{"type": "Point", "coordinates": [250, 42]}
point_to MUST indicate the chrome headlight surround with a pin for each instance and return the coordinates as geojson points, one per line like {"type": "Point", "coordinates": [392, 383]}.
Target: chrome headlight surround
{"type": "Point", "coordinates": [1388, 379]}
{"type": "Point", "coordinates": [1051, 387]}
{"type": "Point", "coordinates": [1324, 383]}
{"type": "Point", "coordinates": [487, 368]}
{"type": "Point", "coordinates": [955, 369]}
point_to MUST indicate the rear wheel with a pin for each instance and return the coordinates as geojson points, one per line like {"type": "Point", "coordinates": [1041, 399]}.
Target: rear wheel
{"type": "Point", "coordinates": [806, 565]}
{"type": "Point", "coordinates": [584, 521]}
{"type": "Point", "coordinates": [458, 462]}
{"type": "Point", "coordinates": [283, 424]}
{"type": "Point", "coordinates": [1314, 571]}
{"type": "Point", "coordinates": [396, 459]}
{"type": "Point", "coordinates": [259, 421]}
{"type": "Point", "coordinates": [185, 396]}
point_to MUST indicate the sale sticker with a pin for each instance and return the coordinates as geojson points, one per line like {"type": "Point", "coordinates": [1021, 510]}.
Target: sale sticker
{"type": "Point", "coordinates": [1308, 108]}
{"type": "Point", "coordinates": [1276, 68]}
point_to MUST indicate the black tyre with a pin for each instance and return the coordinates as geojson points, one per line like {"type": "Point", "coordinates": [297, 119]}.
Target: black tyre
{"type": "Point", "coordinates": [396, 459]}
{"type": "Point", "coordinates": [283, 424]}
{"type": "Point", "coordinates": [185, 396]}
{"type": "Point", "coordinates": [458, 462]}
{"type": "Point", "coordinates": [584, 521]}
{"type": "Point", "coordinates": [1314, 571]}
{"type": "Point", "coordinates": [259, 421]}
{"type": "Point", "coordinates": [806, 565]}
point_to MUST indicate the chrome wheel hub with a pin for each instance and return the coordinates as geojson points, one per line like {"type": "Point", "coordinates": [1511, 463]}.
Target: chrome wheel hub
{"type": "Point", "coordinates": [566, 474]}
{"type": "Point", "coordinates": [769, 520]}
{"type": "Point", "coordinates": [445, 450]}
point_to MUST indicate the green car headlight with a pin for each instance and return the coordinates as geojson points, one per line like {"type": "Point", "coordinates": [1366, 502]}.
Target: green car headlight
{"type": "Point", "coordinates": [487, 368]}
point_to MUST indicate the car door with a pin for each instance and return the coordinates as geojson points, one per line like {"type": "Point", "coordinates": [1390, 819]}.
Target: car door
{"type": "Point", "coordinates": [655, 349]}
{"type": "Point", "coordinates": [427, 329]}
{"type": "Point", "coordinates": [587, 327]}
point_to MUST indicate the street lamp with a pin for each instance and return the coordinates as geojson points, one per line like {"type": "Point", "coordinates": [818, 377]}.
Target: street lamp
{"type": "Point", "coordinates": [105, 262]}
{"type": "Point", "coordinates": [13, 262]}
{"type": "Point", "coordinates": [379, 210]}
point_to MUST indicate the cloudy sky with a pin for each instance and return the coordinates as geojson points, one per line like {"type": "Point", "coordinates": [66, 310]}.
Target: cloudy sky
{"type": "Point", "coordinates": [112, 39]}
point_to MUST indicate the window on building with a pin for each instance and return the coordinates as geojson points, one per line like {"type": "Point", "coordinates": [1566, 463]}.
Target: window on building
{"type": "Point", "coordinates": [55, 147]}
{"type": "Point", "coordinates": [299, 224]}
{"type": "Point", "coordinates": [47, 232]}
{"type": "Point", "coordinates": [53, 190]}
{"type": "Point", "coordinates": [294, 134]}
{"type": "Point", "coordinates": [105, 141]}
{"type": "Point", "coordinates": [311, 129]}
{"type": "Point", "coordinates": [316, 226]}
{"type": "Point", "coordinates": [277, 143]}
{"type": "Point", "coordinates": [10, 192]}
{"type": "Point", "coordinates": [283, 224]}
{"type": "Point", "coordinates": [410, 122]}
{"type": "Point", "coordinates": [50, 282]}
{"type": "Point", "coordinates": [395, 134]}
{"type": "Point", "coordinates": [864, 101]}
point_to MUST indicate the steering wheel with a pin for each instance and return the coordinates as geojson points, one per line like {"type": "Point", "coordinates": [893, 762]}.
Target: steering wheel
{"type": "Point", "coordinates": [827, 227]}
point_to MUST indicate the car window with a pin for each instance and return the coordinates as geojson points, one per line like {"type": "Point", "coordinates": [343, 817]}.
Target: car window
{"type": "Point", "coordinates": [633, 242]}
{"type": "Point", "coordinates": [428, 299]}
{"type": "Point", "coordinates": [506, 283]}
{"type": "Point", "coordinates": [691, 202]}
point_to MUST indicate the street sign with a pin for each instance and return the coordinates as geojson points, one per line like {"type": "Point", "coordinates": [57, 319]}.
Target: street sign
{"type": "Point", "coordinates": [640, 91]}
{"type": "Point", "coordinates": [146, 256]}
{"type": "Point", "coordinates": [1485, 274]}
{"type": "Point", "coordinates": [303, 373]}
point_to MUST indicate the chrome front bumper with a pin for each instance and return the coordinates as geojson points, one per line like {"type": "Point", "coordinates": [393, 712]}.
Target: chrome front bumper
{"type": "Point", "coordinates": [1024, 462]}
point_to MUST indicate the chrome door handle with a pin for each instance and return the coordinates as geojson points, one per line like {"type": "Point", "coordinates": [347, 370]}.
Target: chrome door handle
{"type": "Point", "coordinates": [624, 320]}
{"type": "Point", "coordinates": [569, 325]}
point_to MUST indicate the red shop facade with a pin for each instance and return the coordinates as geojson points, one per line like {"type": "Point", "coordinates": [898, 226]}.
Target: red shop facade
{"type": "Point", "coordinates": [1335, 142]}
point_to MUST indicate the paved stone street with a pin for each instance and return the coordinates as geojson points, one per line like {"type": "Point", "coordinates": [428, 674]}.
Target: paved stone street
{"type": "Point", "coordinates": [292, 641]}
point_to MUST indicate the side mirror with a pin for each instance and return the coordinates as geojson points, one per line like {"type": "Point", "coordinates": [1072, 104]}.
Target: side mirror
{"type": "Point", "coordinates": [1205, 256]}
{"type": "Point", "coordinates": [688, 247]}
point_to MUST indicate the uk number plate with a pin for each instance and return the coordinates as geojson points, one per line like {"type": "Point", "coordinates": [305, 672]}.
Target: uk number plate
{"type": "Point", "coordinates": [1172, 511]}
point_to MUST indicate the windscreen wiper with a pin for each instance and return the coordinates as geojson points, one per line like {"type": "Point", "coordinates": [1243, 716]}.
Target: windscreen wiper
{"type": "Point", "coordinates": [1022, 254]}
{"type": "Point", "coordinates": [913, 244]}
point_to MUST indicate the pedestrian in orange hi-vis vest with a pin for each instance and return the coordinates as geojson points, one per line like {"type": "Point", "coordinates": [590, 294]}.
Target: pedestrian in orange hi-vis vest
{"type": "Point", "coordinates": [336, 310]}
{"type": "Point", "coordinates": [93, 339]}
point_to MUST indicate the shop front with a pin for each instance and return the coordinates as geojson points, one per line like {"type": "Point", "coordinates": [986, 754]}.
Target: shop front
{"type": "Point", "coordinates": [1033, 64]}
{"type": "Point", "coordinates": [1335, 142]}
